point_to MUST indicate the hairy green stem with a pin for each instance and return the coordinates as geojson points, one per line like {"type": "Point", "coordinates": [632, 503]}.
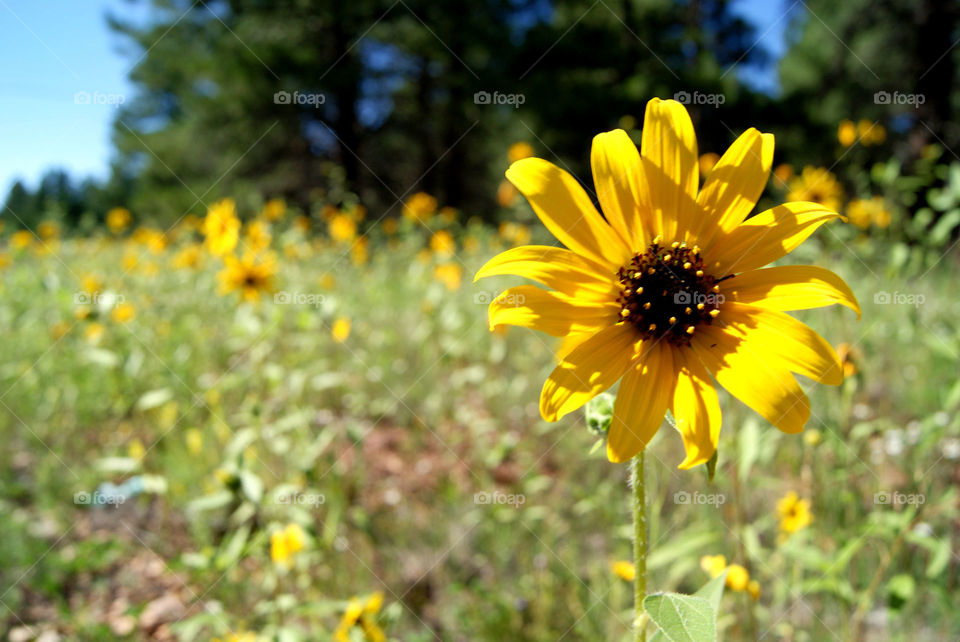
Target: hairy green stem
{"type": "Point", "coordinates": [639, 547]}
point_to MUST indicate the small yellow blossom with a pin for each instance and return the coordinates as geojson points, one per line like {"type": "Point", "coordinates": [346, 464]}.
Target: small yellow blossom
{"type": "Point", "coordinates": [21, 239]}
{"type": "Point", "coordinates": [713, 564]}
{"type": "Point", "coordinates": [274, 209]}
{"type": "Point", "coordinates": [136, 450]}
{"type": "Point", "coordinates": [420, 207]}
{"type": "Point", "coordinates": [817, 185]}
{"type": "Point", "coordinates": [251, 275]}
{"type": "Point", "coordinates": [342, 228]}
{"type": "Point", "coordinates": [783, 173]}
{"type": "Point", "coordinates": [450, 274]}
{"type": "Point", "coordinates": [506, 194]}
{"type": "Point", "coordinates": [737, 578]}
{"type": "Point", "coordinates": [390, 226]}
{"type": "Point", "coordinates": [284, 544]}
{"type": "Point", "coordinates": [360, 251]}
{"type": "Point", "coordinates": [866, 212]}
{"type": "Point", "coordinates": [123, 312]}
{"type": "Point", "coordinates": [443, 244]}
{"type": "Point", "coordinates": [48, 230]}
{"type": "Point", "coordinates": [519, 151]}
{"type": "Point", "coordinates": [340, 329]}
{"type": "Point", "coordinates": [625, 570]}
{"type": "Point", "coordinates": [753, 588]}
{"type": "Point", "coordinates": [362, 614]}
{"type": "Point", "coordinates": [194, 441]}
{"type": "Point", "coordinates": [812, 437]}
{"type": "Point", "coordinates": [94, 332]}
{"type": "Point", "coordinates": [221, 227]}
{"type": "Point", "coordinates": [871, 133]}
{"type": "Point", "coordinates": [707, 163]}
{"type": "Point", "coordinates": [189, 257]}
{"type": "Point", "coordinates": [118, 219]}
{"type": "Point", "coordinates": [794, 513]}
{"type": "Point", "coordinates": [847, 133]}
{"type": "Point", "coordinates": [257, 236]}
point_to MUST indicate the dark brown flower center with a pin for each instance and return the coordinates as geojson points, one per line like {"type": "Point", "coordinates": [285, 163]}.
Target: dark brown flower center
{"type": "Point", "coordinates": [666, 292]}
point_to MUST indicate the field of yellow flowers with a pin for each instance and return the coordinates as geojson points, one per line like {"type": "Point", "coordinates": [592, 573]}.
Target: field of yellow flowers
{"type": "Point", "coordinates": [268, 424]}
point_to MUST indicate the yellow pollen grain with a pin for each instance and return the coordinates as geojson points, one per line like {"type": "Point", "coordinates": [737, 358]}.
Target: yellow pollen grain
{"type": "Point", "coordinates": [667, 257]}
{"type": "Point", "coordinates": [651, 271]}
{"type": "Point", "coordinates": [687, 311]}
{"type": "Point", "coordinates": [688, 265]}
{"type": "Point", "coordinates": [675, 244]}
{"type": "Point", "coordinates": [699, 272]}
{"type": "Point", "coordinates": [716, 288]}
{"type": "Point", "coordinates": [646, 306]}
{"type": "Point", "coordinates": [700, 306]}
{"type": "Point", "coordinates": [714, 313]}
{"type": "Point", "coordinates": [653, 326]}
{"type": "Point", "coordinates": [639, 291]}
{"type": "Point", "coordinates": [637, 275]}
{"type": "Point", "coordinates": [624, 312]}
{"type": "Point", "coordinates": [673, 320]}
{"type": "Point", "coordinates": [689, 329]}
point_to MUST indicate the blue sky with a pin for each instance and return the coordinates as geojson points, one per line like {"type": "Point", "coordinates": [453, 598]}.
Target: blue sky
{"type": "Point", "coordinates": [54, 50]}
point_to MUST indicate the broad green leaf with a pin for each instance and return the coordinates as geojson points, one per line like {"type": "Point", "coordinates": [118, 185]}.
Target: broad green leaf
{"type": "Point", "coordinates": [712, 591]}
{"type": "Point", "coordinates": [682, 618]}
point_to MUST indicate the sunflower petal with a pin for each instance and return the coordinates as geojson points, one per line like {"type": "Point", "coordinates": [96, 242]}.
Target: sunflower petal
{"type": "Point", "coordinates": [790, 287]}
{"type": "Point", "coordinates": [767, 388]}
{"type": "Point", "coordinates": [588, 370]}
{"type": "Point", "coordinates": [554, 267]}
{"type": "Point", "coordinates": [567, 211]}
{"type": "Point", "coordinates": [766, 237]}
{"type": "Point", "coordinates": [735, 184]}
{"type": "Point", "coordinates": [696, 409]}
{"type": "Point", "coordinates": [528, 306]}
{"type": "Point", "coordinates": [642, 400]}
{"type": "Point", "coordinates": [670, 167]}
{"type": "Point", "coordinates": [784, 342]}
{"type": "Point", "coordinates": [617, 175]}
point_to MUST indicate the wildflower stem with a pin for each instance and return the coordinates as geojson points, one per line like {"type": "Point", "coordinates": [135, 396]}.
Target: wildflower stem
{"type": "Point", "coordinates": [639, 547]}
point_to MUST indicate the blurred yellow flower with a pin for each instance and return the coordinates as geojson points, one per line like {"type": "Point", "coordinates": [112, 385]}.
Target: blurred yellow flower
{"type": "Point", "coordinates": [707, 163]}
{"type": "Point", "coordinates": [420, 207]}
{"type": "Point", "coordinates": [48, 230]}
{"type": "Point", "coordinates": [812, 437]}
{"type": "Point", "coordinates": [257, 236]}
{"type": "Point", "coordinates": [443, 244]}
{"type": "Point", "coordinates": [871, 133]}
{"type": "Point", "coordinates": [737, 578]}
{"type": "Point", "coordinates": [194, 440]}
{"type": "Point", "coordinates": [448, 214]}
{"type": "Point", "coordinates": [302, 223]}
{"type": "Point", "coordinates": [625, 570]}
{"type": "Point", "coordinates": [864, 212]}
{"type": "Point", "coordinates": [328, 281]}
{"type": "Point", "coordinates": [21, 239]}
{"type": "Point", "coordinates": [94, 332]}
{"type": "Point", "coordinates": [342, 228]}
{"type": "Point", "coordinates": [849, 356]}
{"type": "Point", "coordinates": [123, 312]}
{"type": "Point", "coordinates": [136, 450]}
{"type": "Point", "coordinates": [59, 329]}
{"type": "Point", "coordinates": [118, 219]}
{"type": "Point", "coordinates": [284, 544]}
{"type": "Point", "coordinates": [753, 588]}
{"type": "Point", "coordinates": [847, 133]}
{"type": "Point", "coordinates": [91, 284]}
{"type": "Point", "coordinates": [519, 151]}
{"type": "Point", "coordinates": [189, 257]}
{"type": "Point", "coordinates": [360, 251]}
{"type": "Point", "coordinates": [817, 185]}
{"type": "Point", "coordinates": [794, 513]}
{"type": "Point", "coordinates": [340, 331]}
{"type": "Point", "coordinates": [251, 275]}
{"type": "Point", "coordinates": [471, 244]}
{"type": "Point", "coordinates": [506, 194]}
{"type": "Point", "coordinates": [5, 260]}
{"type": "Point", "coordinates": [361, 613]}
{"type": "Point", "coordinates": [274, 209]}
{"type": "Point", "coordinates": [713, 564]}
{"type": "Point", "coordinates": [783, 173]}
{"type": "Point", "coordinates": [241, 636]}
{"type": "Point", "coordinates": [390, 226]}
{"type": "Point", "coordinates": [221, 227]}
{"type": "Point", "coordinates": [450, 274]}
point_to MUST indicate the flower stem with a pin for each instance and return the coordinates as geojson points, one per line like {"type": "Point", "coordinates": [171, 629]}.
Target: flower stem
{"type": "Point", "coordinates": [639, 547]}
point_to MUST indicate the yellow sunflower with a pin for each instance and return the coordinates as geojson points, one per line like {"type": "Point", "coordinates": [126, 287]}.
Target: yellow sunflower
{"type": "Point", "coordinates": [221, 227]}
{"type": "Point", "coordinates": [794, 513]}
{"type": "Point", "coordinates": [251, 275]}
{"type": "Point", "coordinates": [817, 185]}
{"type": "Point", "coordinates": [667, 290]}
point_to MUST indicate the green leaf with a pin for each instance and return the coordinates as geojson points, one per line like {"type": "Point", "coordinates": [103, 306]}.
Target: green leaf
{"type": "Point", "coordinates": [682, 618]}
{"type": "Point", "coordinates": [712, 465]}
{"type": "Point", "coordinates": [712, 591]}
